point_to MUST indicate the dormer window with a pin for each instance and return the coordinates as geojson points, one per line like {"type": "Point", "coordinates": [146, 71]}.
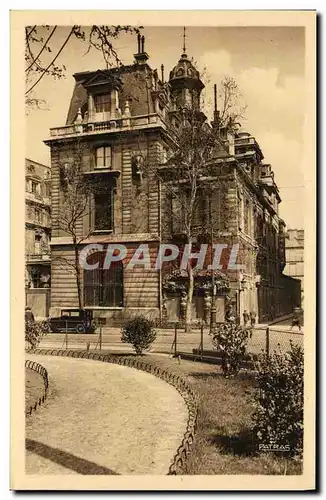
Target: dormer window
{"type": "Point", "coordinates": [103, 157]}
{"type": "Point", "coordinates": [102, 103]}
{"type": "Point", "coordinates": [102, 107]}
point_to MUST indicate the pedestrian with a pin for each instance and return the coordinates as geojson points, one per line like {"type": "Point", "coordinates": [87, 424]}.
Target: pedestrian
{"type": "Point", "coordinates": [29, 316]}
{"type": "Point", "coordinates": [246, 317]}
{"type": "Point", "coordinates": [229, 315]}
{"type": "Point", "coordinates": [252, 318]}
{"type": "Point", "coordinates": [296, 318]}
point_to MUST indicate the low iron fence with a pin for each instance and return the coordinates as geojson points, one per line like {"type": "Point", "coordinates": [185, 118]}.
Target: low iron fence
{"type": "Point", "coordinates": [175, 341]}
{"type": "Point", "coordinates": [33, 365]}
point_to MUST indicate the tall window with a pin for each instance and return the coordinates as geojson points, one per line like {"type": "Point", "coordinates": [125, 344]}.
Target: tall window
{"type": "Point", "coordinates": [37, 246]}
{"type": "Point", "coordinates": [178, 203]}
{"type": "Point", "coordinates": [103, 287]}
{"type": "Point", "coordinates": [35, 187]}
{"type": "Point", "coordinates": [103, 157]}
{"type": "Point", "coordinates": [103, 218]}
{"type": "Point", "coordinates": [102, 103]}
{"type": "Point", "coordinates": [199, 211]}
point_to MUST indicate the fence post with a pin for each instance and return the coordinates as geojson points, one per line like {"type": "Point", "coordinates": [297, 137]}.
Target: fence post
{"type": "Point", "coordinates": [175, 340]}
{"type": "Point", "coordinates": [101, 336]}
{"type": "Point", "coordinates": [66, 334]}
{"type": "Point", "coordinates": [267, 341]}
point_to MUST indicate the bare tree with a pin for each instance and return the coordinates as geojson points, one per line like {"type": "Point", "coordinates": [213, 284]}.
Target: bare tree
{"type": "Point", "coordinates": [186, 174]}
{"type": "Point", "coordinates": [189, 179]}
{"type": "Point", "coordinates": [41, 59]}
{"type": "Point", "coordinates": [75, 206]}
{"type": "Point", "coordinates": [233, 107]}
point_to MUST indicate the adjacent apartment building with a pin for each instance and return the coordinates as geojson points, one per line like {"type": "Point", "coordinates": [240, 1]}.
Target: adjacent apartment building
{"type": "Point", "coordinates": [37, 225]}
{"type": "Point", "coordinates": [294, 251]}
{"type": "Point", "coordinates": [120, 116]}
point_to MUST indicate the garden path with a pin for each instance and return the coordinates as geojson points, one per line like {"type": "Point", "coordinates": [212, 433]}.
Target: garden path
{"type": "Point", "coordinates": [102, 418]}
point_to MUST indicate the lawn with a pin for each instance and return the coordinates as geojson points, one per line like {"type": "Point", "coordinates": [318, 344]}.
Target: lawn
{"type": "Point", "coordinates": [223, 443]}
{"type": "Point", "coordinates": [34, 388]}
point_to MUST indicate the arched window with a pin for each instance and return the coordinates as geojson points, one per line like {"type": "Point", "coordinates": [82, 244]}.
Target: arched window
{"type": "Point", "coordinates": [103, 287]}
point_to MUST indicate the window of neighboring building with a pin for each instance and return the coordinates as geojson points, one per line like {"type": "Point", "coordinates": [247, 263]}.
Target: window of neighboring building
{"type": "Point", "coordinates": [102, 103]}
{"type": "Point", "coordinates": [37, 245]}
{"type": "Point", "coordinates": [35, 276]}
{"type": "Point", "coordinates": [103, 157]}
{"type": "Point", "coordinates": [103, 216]}
{"type": "Point", "coordinates": [103, 287]}
{"type": "Point", "coordinates": [38, 215]}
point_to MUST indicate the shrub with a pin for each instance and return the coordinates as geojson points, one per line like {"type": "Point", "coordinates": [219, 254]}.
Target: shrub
{"type": "Point", "coordinates": [278, 415]}
{"type": "Point", "coordinates": [231, 339]}
{"type": "Point", "coordinates": [34, 331]}
{"type": "Point", "coordinates": [139, 332]}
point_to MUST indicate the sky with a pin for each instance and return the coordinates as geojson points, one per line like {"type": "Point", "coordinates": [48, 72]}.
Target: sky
{"type": "Point", "coordinates": [266, 62]}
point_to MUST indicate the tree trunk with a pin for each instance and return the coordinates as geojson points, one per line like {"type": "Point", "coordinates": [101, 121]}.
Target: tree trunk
{"type": "Point", "coordinates": [78, 278]}
{"type": "Point", "coordinates": [188, 315]}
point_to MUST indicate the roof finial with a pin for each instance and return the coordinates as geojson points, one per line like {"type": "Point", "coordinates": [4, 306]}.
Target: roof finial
{"type": "Point", "coordinates": [184, 39]}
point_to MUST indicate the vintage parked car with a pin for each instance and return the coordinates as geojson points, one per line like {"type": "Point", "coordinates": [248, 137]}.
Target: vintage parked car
{"type": "Point", "coordinates": [73, 321]}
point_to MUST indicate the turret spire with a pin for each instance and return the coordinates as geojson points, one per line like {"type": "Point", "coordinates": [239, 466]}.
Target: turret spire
{"type": "Point", "coordinates": [184, 40]}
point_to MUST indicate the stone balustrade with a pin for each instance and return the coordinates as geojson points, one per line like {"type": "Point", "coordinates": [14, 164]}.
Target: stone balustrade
{"type": "Point", "coordinates": [97, 127]}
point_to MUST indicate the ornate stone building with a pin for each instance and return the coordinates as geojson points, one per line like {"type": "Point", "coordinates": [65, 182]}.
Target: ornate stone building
{"type": "Point", "coordinates": [121, 116]}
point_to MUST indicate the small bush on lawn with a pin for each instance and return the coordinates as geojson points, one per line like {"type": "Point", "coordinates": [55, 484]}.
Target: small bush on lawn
{"type": "Point", "coordinates": [34, 331]}
{"type": "Point", "coordinates": [278, 415]}
{"type": "Point", "coordinates": [139, 332]}
{"type": "Point", "coordinates": [231, 339]}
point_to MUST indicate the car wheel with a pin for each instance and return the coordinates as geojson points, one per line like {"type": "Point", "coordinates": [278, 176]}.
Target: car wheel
{"type": "Point", "coordinates": [80, 329]}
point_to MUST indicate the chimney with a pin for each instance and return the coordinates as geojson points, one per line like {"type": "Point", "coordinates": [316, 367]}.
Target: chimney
{"type": "Point", "coordinates": [162, 73]}
{"type": "Point", "coordinates": [138, 39]}
{"type": "Point", "coordinates": [141, 57]}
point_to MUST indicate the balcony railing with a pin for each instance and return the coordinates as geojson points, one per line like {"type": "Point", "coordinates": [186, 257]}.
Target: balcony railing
{"type": "Point", "coordinates": [121, 123]}
{"type": "Point", "coordinates": [38, 198]}
{"type": "Point", "coordinates": [45, 256]}
{"type": "Point", "coordinates": [244, 142]}
{"type": "Point", "coordinates": [249, 152]}
{"type": "Point", "coordinates": [42, 221]}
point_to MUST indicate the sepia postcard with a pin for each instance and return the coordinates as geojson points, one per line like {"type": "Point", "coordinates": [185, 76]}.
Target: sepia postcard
{"type": "Point", "coordinates": [163, 237]}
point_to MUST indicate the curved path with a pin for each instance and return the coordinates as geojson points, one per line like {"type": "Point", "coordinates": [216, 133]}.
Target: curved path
{"type": "Point", "coordinates": [102, 418]}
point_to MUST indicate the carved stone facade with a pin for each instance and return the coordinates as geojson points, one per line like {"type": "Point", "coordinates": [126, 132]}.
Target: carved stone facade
{"type": "Point", "coordinates": [122, 117]}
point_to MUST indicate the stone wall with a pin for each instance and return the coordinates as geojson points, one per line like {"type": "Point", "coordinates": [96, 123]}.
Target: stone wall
{"type": "Point", "coordinates": [38, 299]}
